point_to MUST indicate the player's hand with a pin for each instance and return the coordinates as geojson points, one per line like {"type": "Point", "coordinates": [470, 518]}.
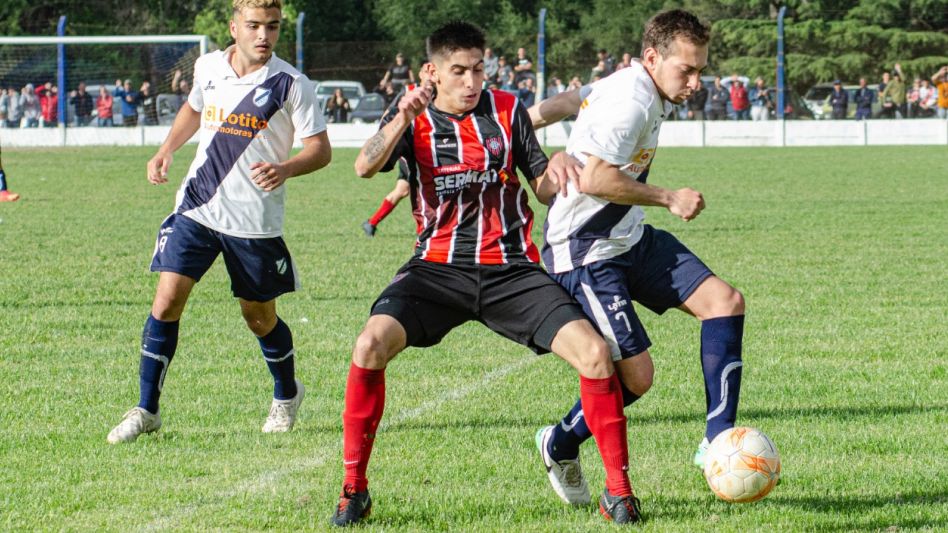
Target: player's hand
{"type": "Point", "coordinates": [268, 176]}
{"type": "Point", "coordinates": [563, 169]}
{"type": "Point", "coordinates": [415, 102]}
{"type": "Point", "coordinates": [686, 203]}
{"type": "Point", "coordinates": [158, 168]}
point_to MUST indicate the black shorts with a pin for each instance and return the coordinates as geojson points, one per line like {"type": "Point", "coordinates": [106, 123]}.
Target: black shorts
{"type": "Point", "coordinates": [519, 301]}
{"type": "Point", "coordinates": [403, 173]}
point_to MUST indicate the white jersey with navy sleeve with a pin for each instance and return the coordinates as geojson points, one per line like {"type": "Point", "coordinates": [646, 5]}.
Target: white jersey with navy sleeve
{"type": "Point", "coordinates": [244, 121]}
{"type": "Point", "coordinates": [618, 122]}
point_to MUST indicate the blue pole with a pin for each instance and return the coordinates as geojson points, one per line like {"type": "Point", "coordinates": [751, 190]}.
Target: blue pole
{"type": "Point", "coordinates": [299, 41]}
{"type": "Point", "coordinates": [541, 57]}
{"type": "Point", "coordinates": [781, 82]}
{"type": "Point", "coordinates": [61, 71]}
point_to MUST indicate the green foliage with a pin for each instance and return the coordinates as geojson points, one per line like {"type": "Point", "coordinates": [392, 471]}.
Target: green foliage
{"type": "Point", "coordinates": [827, 38]}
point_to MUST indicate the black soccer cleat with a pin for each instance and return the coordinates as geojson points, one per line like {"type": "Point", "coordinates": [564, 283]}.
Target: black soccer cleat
{"type": "Point", "coordinates": [352, 507]}
{"type": "Point", "coordinates": [620, 509]}
{"type": "Point", "coordinates": [368, 228]}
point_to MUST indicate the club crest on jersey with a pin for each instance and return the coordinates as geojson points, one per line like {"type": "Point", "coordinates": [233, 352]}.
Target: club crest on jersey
{"type": "Point", "coordinates": [494, 146]}
{"type": "Point", "coordinates": [261, 96]}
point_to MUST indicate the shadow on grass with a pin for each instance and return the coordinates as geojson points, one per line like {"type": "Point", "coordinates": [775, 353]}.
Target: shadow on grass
{"type": "Point", "coordinates": [640, 416]}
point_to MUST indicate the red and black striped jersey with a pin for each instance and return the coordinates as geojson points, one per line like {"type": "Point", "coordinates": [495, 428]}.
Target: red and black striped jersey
{"type": "Point", "coordinates": [469, 204]}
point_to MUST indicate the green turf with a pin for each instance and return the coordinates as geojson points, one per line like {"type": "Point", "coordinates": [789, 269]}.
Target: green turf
{"type": "Point", "coordinates": [840, 253]}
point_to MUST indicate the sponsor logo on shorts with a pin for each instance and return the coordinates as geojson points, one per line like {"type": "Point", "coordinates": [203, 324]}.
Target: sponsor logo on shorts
{"type": "Point", "coordinates": [618, 303]}
{"type": "Point", "coordinates": [281, 266]}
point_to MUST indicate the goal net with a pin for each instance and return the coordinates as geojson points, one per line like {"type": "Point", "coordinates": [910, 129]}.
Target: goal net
{"type": "Point", "coordinates": [99, 62]}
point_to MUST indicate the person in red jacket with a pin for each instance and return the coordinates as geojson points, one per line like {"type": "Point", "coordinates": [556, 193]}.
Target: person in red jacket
{"type": "Point", "coordinates": [49, 102]}
{"type": "Point", "coordinates": [103, 107]}
{"type": "Point", "coordinates": [739, 101]}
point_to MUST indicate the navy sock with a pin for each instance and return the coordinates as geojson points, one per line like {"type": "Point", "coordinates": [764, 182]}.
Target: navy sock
{"type": "Point", "coordinates": [278, 352]}
{"type": "Point", "coordinates": [3, 180]}
{"type": "Point", "coordinates": [159, 341]}
{"type": "Point", "coordinates": [572, 431]}
{"type": "Point", "coordinates": [721, 364]}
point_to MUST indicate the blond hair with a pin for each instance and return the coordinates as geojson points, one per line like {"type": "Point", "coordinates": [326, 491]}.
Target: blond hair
{"type": "Point", "coordinates": [255, 4]}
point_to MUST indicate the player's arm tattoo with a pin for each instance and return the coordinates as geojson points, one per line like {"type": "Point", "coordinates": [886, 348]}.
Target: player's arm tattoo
{"type": "Point", "coordinates": [375, 147]}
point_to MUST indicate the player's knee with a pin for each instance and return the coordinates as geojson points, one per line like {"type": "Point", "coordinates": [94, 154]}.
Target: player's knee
{"type": "Point", "coordinates": [596, 361]}
{"type": "Point", "coordinates": [638, 383]}
{"type": "Point", "coordinates": [734, 302]}
{"type": "Point", "coordinates": [260, 323]}
{"type": "Point", "coordinates": [168, 309]}
{"type": "Point", "coordinates": [371, 351]}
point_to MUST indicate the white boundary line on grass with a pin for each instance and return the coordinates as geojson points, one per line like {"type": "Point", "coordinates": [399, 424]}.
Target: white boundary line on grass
{"type": "Point", "coordinates": [173, 517]}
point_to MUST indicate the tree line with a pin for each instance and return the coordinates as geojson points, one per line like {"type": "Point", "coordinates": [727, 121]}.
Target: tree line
{"type": "Point", "coordinates": [825, 39]}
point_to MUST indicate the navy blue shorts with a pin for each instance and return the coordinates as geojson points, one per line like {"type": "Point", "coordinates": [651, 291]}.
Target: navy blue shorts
{"type": "Point", "coordinates": [659, 272]}
{"type": "Point", "coordinates": [259, 269]}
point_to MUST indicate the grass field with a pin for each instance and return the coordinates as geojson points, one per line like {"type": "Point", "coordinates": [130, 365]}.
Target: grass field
{"type": "Point", "coordinates": [841, 253]}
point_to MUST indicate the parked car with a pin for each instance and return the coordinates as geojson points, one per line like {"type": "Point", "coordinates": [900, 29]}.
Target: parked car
{"type": "Point", "coordinates": [817, 100]}
{"type": "Point", "coordinates": [370, 109]}
{"type": "Point", "coordinates": [352, 90]}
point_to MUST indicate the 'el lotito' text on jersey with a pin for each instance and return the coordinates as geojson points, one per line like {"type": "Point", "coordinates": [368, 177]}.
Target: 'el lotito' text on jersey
{"type": "Point", "coordinates": [619, 123]}
{"type": "Point", "coordinates": [244, 121]}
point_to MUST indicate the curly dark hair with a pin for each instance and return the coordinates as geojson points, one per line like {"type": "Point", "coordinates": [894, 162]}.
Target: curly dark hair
{"type": "Point", "coordinates": [454, 36]}
{"type": "Point", "coordinates": [662, 30]}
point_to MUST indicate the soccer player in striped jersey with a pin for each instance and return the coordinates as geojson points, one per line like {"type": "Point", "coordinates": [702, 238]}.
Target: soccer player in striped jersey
{"type": "Point", "coordinates": [469, 154]}
{"type": "Point", "coordinates": [248, 105]}
{"type": "Point", "coordinates": [401, 189]}
{"type": "Point", "coordinates": [598, 247]}
{"type": "Point", "coordinates": [6, 195]}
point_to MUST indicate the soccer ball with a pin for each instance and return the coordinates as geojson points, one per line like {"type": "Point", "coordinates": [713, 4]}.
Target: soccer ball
{"type": "Point", "coordinates": [741, 465]}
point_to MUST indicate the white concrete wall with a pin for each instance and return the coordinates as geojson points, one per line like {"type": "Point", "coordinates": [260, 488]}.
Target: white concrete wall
{"type": "Point", "coordinates": [676, 133]}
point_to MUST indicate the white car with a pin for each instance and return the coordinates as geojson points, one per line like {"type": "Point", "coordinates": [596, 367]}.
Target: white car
{"type": "Point", "coordinates": [352, 90]}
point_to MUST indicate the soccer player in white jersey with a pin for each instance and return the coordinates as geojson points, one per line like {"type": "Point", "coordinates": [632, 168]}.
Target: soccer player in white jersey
{"type": "Point", "coordinates": [598, 247]}
{"type": "Point", "coordinates": [248, 105]}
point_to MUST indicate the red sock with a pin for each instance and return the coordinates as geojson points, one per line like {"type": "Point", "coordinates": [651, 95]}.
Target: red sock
{"type": "Point", "coordinates": [365, 401]}
{"type": "Point", "coordinates": [382, 212]}
{"type": "Point", "coordinates": [602, 406]}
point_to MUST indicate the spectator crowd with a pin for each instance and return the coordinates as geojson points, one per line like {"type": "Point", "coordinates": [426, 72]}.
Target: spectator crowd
{"type": "Point", "coordinates": [38, 106]}
{"type": "Point", "coordinates": [730, 98]}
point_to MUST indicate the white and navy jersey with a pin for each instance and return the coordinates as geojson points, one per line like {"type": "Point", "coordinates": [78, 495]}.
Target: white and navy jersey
{"type": "Point", "coordinates": [618, 122]}
{"type": "Point", "coordinates": [244, 121]}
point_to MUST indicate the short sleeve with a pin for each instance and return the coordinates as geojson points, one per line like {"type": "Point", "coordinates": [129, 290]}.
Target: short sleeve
{"type": "Point", "coordinates": [196, 96]}
{"type": "Point", "coordinates": [528, 156]}
{"type": "Point", "coordinates": [304, 110]}
{"type": "Point", "coordinates": [614, 129]}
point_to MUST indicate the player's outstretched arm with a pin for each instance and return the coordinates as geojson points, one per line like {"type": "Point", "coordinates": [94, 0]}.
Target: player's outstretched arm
{"type": "Point", "coordinates": [555, 108]}
{"type": "Point", "coordinates": [377, 150]}
{"type": "Point", "coordinates": [316, 154]}
{"type": "Point", "coordinates": [186, 124]}
{"type": "Point", "coordinates": [605, 180]}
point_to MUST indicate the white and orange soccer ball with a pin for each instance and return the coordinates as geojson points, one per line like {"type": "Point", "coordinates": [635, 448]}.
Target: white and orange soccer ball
{"type": "Point", "coordinates": [741, 465]}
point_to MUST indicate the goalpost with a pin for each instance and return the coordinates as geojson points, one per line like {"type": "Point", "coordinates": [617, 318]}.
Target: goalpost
{"type": "Point", "coordinates": [97, 61]}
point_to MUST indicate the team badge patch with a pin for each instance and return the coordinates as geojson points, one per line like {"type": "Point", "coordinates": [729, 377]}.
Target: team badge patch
{"type": "Point", "coordinates": [494, 146]}
{"type": "Point", "coordinates": [261, 97]}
